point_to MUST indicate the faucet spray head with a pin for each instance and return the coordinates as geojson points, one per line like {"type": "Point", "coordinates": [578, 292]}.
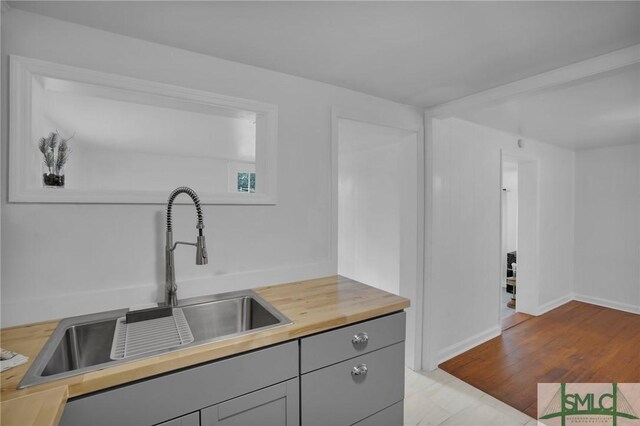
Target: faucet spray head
{"type": "Point", "coordinates": [201, 251]}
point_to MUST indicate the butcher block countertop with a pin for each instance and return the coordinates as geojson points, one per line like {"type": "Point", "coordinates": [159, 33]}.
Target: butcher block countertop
{"type": "Point", "coordinates": [313, 306]}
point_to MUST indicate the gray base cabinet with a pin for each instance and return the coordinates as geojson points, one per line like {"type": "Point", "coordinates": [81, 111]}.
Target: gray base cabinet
{"type": "Point", "coordinates": [274, 406]}
{"type": "Point", "coordinates": [353, 375]}
{"type": "Point", "coordinates": [192, 419]}
{"type": "Point", "coordinates": [170, 396]}
{"type": "Point", "coordinates": [354, 372]}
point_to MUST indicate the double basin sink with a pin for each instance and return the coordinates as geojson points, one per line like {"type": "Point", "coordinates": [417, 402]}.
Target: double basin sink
{"type": "Point", "coordinates": [83, 344]}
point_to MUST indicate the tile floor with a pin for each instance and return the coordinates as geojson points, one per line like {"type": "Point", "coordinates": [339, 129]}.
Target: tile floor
{"type": "Point", "coordinates": [438, 398]}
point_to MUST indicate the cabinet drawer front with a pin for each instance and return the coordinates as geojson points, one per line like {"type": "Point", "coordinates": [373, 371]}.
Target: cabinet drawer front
{"type": "Point", "coordinates": [338, 345]}
{"type": "Point", "coordinates": [390, 416]}
{"type": "Point", "coordinates": [274, 406]}
{"type": "Point", "coordinates": [192, 419]}
{"type": "Point", "coordinates": [334, 396]}
{"type": "Point", "coordinates": [157, 399]}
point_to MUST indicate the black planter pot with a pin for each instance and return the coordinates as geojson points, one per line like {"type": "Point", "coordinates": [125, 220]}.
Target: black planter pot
{"type": "Point", "coordinates": [52, 180]}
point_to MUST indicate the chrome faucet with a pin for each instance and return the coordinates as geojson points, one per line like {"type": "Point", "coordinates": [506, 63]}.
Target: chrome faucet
{"type": "Point", "coordinates": [171, 288]}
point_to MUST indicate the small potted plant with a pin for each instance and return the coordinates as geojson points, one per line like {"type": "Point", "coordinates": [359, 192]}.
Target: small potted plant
{"type": "Point", "coordinates": [55, 150]}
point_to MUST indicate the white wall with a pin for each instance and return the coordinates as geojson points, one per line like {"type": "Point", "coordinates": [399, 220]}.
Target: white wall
{"type": "Point", "coordinates": [607, 227]}
{"type": "Point", "coordinates": [61, 260]}
{"type": "Point", "coordinates": [376, 184]}
{"type": "Point", "coordinates": [369, 215]}
{"type": "Point", "coordinates": [464, 268]}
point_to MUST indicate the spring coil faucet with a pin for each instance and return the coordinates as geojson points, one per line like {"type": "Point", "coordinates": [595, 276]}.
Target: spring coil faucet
{"type": "Point", "coordinates": [171, 288]}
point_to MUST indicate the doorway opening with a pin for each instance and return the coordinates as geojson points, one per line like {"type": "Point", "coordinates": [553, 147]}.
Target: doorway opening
{"type": "Point", "coordinates": [508, 284]}
{"type": "Point", "coordinates": [378, 211]}
{"type": "Point", "coordinates": [517, 175]}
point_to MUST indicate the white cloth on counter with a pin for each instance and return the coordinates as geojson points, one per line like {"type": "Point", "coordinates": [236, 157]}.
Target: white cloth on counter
{"type": "Point", "coordinates": [10, 359]}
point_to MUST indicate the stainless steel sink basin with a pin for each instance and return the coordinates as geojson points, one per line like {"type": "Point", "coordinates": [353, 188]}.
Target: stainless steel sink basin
{"type": "Point", "coordinates": [82, 344]}
{"type": "Point", "coordinates": [228, 317]}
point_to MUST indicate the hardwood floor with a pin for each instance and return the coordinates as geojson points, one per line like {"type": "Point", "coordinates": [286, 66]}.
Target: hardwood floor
{"type": "Point", "coordinates": [576, 342]}
{"type": "Point", "coordinates": [515, 319]}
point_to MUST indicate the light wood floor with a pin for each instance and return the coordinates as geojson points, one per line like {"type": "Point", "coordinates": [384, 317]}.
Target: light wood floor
{"type": "Point", "coordinates": [574, 343]}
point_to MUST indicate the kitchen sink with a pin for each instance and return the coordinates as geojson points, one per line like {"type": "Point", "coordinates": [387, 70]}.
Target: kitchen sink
{"type": "Point", "coordinates": [83, 344]}
{"type": "Point", "coordinates": [228, 317]}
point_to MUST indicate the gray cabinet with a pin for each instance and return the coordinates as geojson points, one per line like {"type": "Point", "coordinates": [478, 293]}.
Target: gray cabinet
{"type": "Point", "coordinates": [192, 419]}
{"type": "Point", "coordinates": [390, 416]}
{"type": "Point", "coordinates": [345, 376]}
{"type": "Point", "coordinates": [352, 374]}
{"type": "Point", "coordinates": [276, 405]}
{"type": "Point", "coordinates": [169, 396]}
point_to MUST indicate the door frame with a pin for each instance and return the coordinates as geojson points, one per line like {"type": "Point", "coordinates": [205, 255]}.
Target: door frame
{"type": "Point", "coordinates": [412, 290]}
{"type": "Point", "coordinates": [529, 184]}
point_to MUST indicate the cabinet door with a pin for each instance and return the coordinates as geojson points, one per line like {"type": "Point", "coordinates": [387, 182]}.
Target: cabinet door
{"type": "Point", "coordinates": [276, 405]}
{"type": "Point", "coordinates": [192, 419]}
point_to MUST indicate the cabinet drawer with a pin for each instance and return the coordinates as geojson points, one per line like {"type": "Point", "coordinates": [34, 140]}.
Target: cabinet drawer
{"type": "Point", "coordinates": [192, 419]}
{"type": "Point", "coordinates": [172, 395]}
{"type": "Point", "coordinates": [276, 405]}
{"type": "Point", "coordinates": [390, 416]}
{"type": "Point", "coordinates": [334, 396]}
{"type": "Point", "coordinates": [338, 345]}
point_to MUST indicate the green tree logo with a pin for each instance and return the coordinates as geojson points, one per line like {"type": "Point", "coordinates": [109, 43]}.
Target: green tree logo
{"type": "Point", "coordinates": [564, 405]}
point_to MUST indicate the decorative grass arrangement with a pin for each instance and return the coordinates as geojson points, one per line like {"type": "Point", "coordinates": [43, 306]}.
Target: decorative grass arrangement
{"type": "Point", "coordinates": [55, 150]}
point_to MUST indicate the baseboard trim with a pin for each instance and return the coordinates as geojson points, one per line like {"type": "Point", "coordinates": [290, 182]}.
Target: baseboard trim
{"type": "Point", "coordinates": [554, 304]}
{"type": "Point", "coordinates": [607, 303]}
{"type": "Point", "coordinates": [471, 342]}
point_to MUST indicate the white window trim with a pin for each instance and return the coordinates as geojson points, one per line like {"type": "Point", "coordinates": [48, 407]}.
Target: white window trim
{"type": "Point", "coordinates": [22, 71]}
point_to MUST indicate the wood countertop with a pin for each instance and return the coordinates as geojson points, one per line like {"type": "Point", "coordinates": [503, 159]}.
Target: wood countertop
{"type": "Point", "coordinates": [43, 408]}
{"type": "Point", "coordinates": [313, 306]}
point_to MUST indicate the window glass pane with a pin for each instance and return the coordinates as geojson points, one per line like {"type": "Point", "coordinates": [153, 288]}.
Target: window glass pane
{"type": "Point", "coordinates": [243, 182]}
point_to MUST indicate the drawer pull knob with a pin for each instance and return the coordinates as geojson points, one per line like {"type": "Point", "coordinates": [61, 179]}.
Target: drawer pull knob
{"type": "Point", "coordinates": [359, 370]}
{"type": "Point", "coordinates": [360, 338]}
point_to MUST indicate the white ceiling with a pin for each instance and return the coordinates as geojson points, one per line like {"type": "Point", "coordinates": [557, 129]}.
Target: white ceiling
{"type": "Point", "coordinates": [598, 112]}
{"type": "Point", "coordinates": [417, 53]}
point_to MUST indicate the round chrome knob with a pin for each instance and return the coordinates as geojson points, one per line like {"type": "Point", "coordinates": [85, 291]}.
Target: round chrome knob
{"type": "Point", "coordinates": [359, 370]}
{"type": "Point", "coordinates": [360, 338]}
